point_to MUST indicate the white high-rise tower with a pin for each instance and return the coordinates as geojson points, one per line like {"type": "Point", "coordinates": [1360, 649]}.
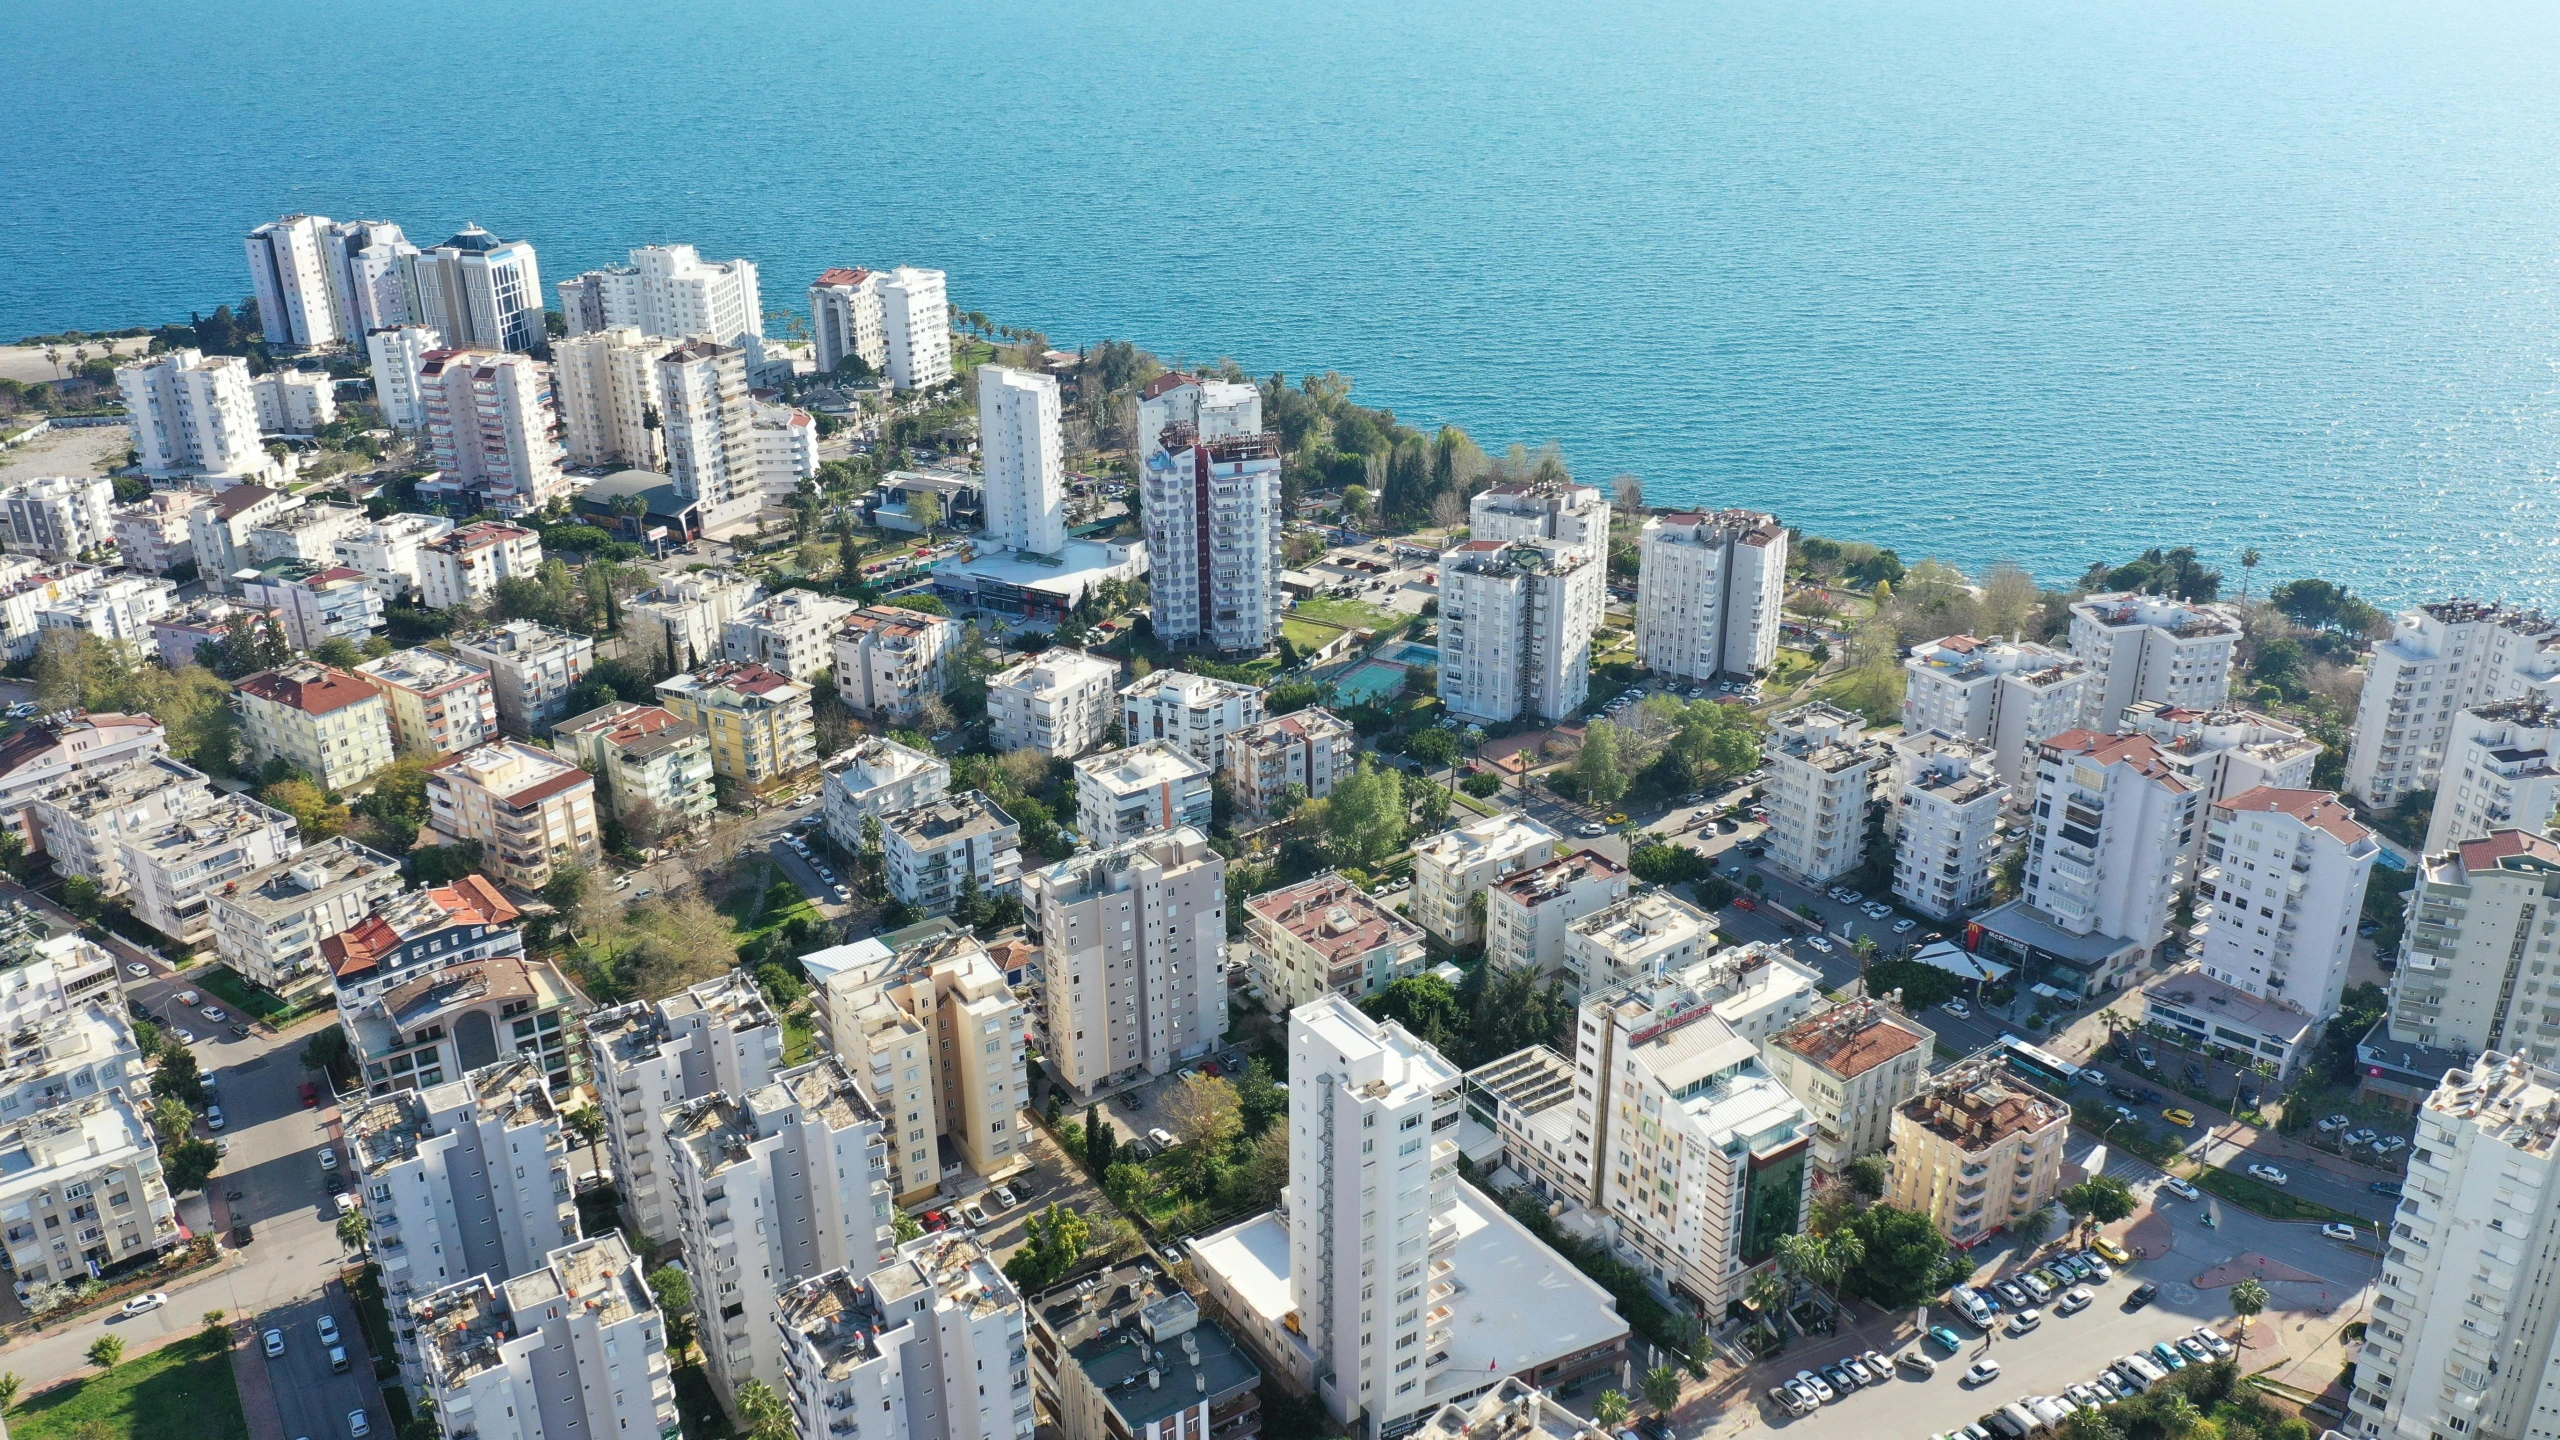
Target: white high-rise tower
{"type": "Point", "coordinates": [1211, 483]}
{"type": "Point", "coordinates": [289, 265]}
{"type": "Point", "coordinates": [1026, 495]}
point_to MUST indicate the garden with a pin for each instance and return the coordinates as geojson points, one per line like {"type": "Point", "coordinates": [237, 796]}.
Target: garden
{"type": "Point", "coordinates": [184, 1388]}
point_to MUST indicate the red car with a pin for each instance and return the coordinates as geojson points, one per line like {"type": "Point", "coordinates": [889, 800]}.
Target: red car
{"type": "Point", "coordinates": [1745, 902]}
{"type": "Point", "coordinates": [310, 1095]}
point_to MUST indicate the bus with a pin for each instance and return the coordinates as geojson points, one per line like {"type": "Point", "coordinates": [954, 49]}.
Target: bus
{"type": "Point", "coordinates": [2038, 1064]}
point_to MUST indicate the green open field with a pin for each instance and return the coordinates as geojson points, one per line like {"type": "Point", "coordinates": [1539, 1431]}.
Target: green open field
{"type": "Point", "coordinates": [1348, 614]}
{"type": "Point", "coordinates": [1307, 635]}
{"type": "Point", "coordinates": [185, 1388]}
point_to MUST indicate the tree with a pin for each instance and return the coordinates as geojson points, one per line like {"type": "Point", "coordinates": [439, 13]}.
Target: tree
{"type": "Point", "coordinates": [1098, 1142]}
{"type": "Point", "coordinates": [674, 1289]}
{"type": "Point", "coordinates": [1768, 1291]}
{"type": "Point", "coordinates": [2031, 1228]}
{"type": "Point", "coordinates": [106, 1352]}
{"type": "Point", "coordinates": [1901, 1258]}
{"type": "Point", "coordinates": [217, 1328]}
{"type": "Point", "coordinates": [1597, 772]}
{"type": "Point", "coordinates": [1204, 1112]}
{"type": "Point", "coordinates": [1366, 815]}
{"type": "Point", "coordinates": [178, 1076]}
{"type": "Point", "coordinates": [906, 1227]}
{"type": "Point", "coordinates": [924, 507]}
{"type": "Point", "coordinates": [2248, 1301]}
{"type": "Point", "coordinates": [1426, 1005]}
{"type": "Point", "coordinates": [326, 1052]}
{"type": "Point", "coordinates": [2104, 1199]}
{"type": "Point", "coordinates": [2249, 559]}
{"type": "Point", "coordinates": [190, 1165]}
{"type": "Point", "coordinates": [1869, 1175]}
{"type": "Point", "coordinates": [1613, 1410]}
{"type": "Point", "coordinates": [353, 1228]}
{"type": "Point", "coordinates": [1662, 1389]}
{"type": "Point", "coordinates": [766, 1414]}
{"type": "Point", "coordinates": [10, 1385]}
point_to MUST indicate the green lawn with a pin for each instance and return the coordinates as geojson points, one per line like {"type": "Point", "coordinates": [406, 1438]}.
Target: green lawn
{"type": "Point", "coordinates": [2251, 1193]}
{"type": "Point", "coordinates": [185, 1388]}
{"type": "Point", "coordinates": [239, 994]}
{"type": "Point", "coordinates": [1347, 614]}
{"type": "Point", "coordinates": [1308, 635]}
{"type": "Point", "coordinates": [799, 1037]}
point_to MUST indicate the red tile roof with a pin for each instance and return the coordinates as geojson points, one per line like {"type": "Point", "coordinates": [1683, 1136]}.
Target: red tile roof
{"type": "Point", "coordinates": [312, 689]}
{"type": "Point", "coordinates": [2491, 853]}
{"type": "Point", "coordinates": [2139, 751]}
{"type": "Point", "coordinates": [839, 275]}
{"type": "Point", "coordinates": [2320, 809]}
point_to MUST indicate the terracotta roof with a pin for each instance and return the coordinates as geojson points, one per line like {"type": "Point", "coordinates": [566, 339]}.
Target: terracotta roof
{"type": "Point", "coordinates": [1335, 916]}
{"type": "Point", "coordinates": [238, 498]}
{"type": "Point", "coordinates": [2320, 809]}
{"type": "Point", "coordinates": [1169, 380]}
{"type": "Point", "coordinates": [312, 689]}
{"type": "Point", "coordinates": [2493, 852]}
{"type": "Point", "coordinates": [1479, 547]}
{"type": "Point", "coordinates": [747, 677]}
{"type": "Point", "coordinates": [471, 900]}
{"type": "Point", "coordinates": [1961, 644]}
{"type": "Point", "coordinates": [839, 275]}
{"type": "Point", "coordinates": [1851, 1040]}
{"type": "Point", "coordinates": [2139, 751]}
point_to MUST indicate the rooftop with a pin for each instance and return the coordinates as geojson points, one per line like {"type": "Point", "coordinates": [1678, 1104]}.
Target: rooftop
{"type": "Point", "coordinates": [2190, 991]}
{"type": "Point", "coordinates": [1530, 1081]}
{"type": "Point", "coordinates": [1190, 689]}
{"type": "Point", "coordinates": [842, 1318]}
{"type": "Point", "coordinates": [636, 731]}
{"type": "Point", "coordinates": [2521, 851]}
{"type": "Point", "coordinates": [513, 771]}
{"type": "Point", "coordinates": [2322, 810]}
{"type": "Point", "coordinates": [476, 984]}
{"type": "Point", "coordinates": [520, 637]}
{"type": "Point", "coordinates": [1485, 836]}
{"type": "Point", "coordinates": [288, 885]}
{"type": "Point", "coordinates": [893, 619]}
{"type": "Point", "coordinates": [1055, 672]}
{"type": "Point", "coordinates": [744, 678]}
{"type": "Point", "coordinates": [1143, 766]}
{"type": "Point", "coordinates": [635, 1030]}
{"type": "Point", "coordinates": [422, 671]}
{"type": "Point", "coordinates": [482, 536]}
{"type": "Point", "coordinates": [1143, 1343]}
{"type": "Point", "coordinates": [1512, 1410]}
{"type": "Point", "coordinates": [1538, 884]}
{"type": "Point", "coordinates": [1312, 723]}
{"type": "Point", "coordinates": [1977, 1103]}
{"type": "Point", "coordinates": [953, 817]}
{"type": "Point", "coordinates": [2141, 752]}
{"type": "Point", "coordinates": [471, 900]}
{"type": "Point", "coordinates": [795, 607]}
{"type": "Point", "coordinates": [1821, 735]}
{"type": "Point", "coordinates": [1335, 916]}
{"type": "Point", "coordinates": [2507, 1098]}
{"type": "Point", "coordinates": [1853, 1039]}
{"type": "Point", "coordinates": [311, 687]}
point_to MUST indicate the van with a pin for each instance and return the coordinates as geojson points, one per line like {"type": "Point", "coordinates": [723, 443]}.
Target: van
{"type": "Point", "coordinates": [1972, 1305]}
{"type": "Point", "coordinates": [337, 1359]}
{"type": "Point", "coordinates": [2140, 1373]}
{"type": "Point", "coordinates": [2049, 1409]}
{"type": "Point", "coordinates": [2021, 1419]}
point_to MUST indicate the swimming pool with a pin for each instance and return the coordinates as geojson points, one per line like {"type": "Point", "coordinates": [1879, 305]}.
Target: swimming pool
{"type": "Point", "coordinates": [1411, 653]}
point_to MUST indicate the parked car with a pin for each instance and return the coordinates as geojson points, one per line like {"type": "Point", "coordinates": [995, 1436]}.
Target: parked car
{"type": "Point", "coordinates": [1821, 1388]}
{"type": "Point", "coordinates": [142, 1304]}
{"type": "Point", "coordinates": [2011, 1292]}
{"type": "Point", "coordinates": [328, 1326]}
{"type": "Point", "coordinates": [328, 1158]}
{"type": "Point", "coordinates": [2167, 1354]}
{"type": "Point", "coordinates": [1588, 830]}
{"type": "Point", "coordinates": [2390, 1144]}
{"type": "Point", "coordinates": [2213, 1341]}
{"type": "Point", "coordinates": [2114, 1253]}
{"type": "Point", "coordinates": [2388, 1188]}
{"type": "Point", "coordinates": [1944, 1336]}
{"type": "Point", "coordinates": [1819, 942]}
{"type": "Point", "coordinates": [1838, 1379]}
{"type": "Point", "coordinates": [1914, 1360]}
{"type": "Point", "coordinates": [2074, 1300]}
{"type": "Point", "coordinates": [1982, 1372]}
{"type": "Point", "coordinates": [213, 1117]}
{"type": "Point", "coordinates": [2337, 1230]}
{"type": "Point", "coordinates": [2181, 1188]}
{"type": "Point", "coordinates": [1004, 1197]}
{"type": "Point", "coordinates": [2362, 1137]}
{"type": "Point", "coordinates": [2270, 1174]}
{"type": "Point", "coordinates": [1905, 925]}
{"type": "Point", "coordinates": [1958, 1009]}
{"type": "Point", "coordinates": [1162, 1137]}
{"type": "Point", "coordinates": [2179, 1116]}
{"type": "Point", "coordinates": [2333, 1124]}
{"type": "Point", "coordinates": [2025, 1320]}
{"type": "Point", "coordinates": [358, 1426]}
{"type": "Point", "coordinates": [275, 1343]}
{"type": "Point", "coordinates": [2143, 1054]}
{"type": "Point", "coordinates": [310, 1095]}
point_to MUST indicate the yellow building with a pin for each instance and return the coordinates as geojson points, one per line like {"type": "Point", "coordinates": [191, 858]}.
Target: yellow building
{"type": "Point", "coordinates": [334, 725]}
{"type": "Point", "coordinates": [763, 733]}
{"type": "Point", "coordinates": [1977, 1148]}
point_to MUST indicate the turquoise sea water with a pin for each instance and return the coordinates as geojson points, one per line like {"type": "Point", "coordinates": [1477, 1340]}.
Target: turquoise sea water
{"type": "Point", "coordinates": [1986, 280]}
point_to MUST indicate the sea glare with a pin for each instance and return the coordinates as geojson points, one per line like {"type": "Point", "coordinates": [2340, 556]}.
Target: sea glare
{"type": "Point", "coordinates": [1985, 280]}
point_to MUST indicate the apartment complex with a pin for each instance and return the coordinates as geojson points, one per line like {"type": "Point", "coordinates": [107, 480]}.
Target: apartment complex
{"type": "Point", "coordinates": [876, 779]}
{"type": "Point", "coordinates": [935, 850]}
{"type": "Point", "coordinates": [2109, 836]}
{"type": "Point", "coordinates": [397, 356]}
{"type": "Point", "coordinates": [289, 271]}
{"type": "Point", "coordinates": [269, 924]}
{"type": "Point", "coordinates": [608, 392]}
{"type": "Point", "coordinates": [122, 610]}
{"type": "Point", "coordinates": [478, 290]}
{"type": "Point", "coordinates": [84, 1189]}
{"type": "Point", "coordinates": [2441, 659]}
{"type": "Point", "coordinates": [1528, 912]}
{"type": "Point", "coordinates": [314, 603]}
{"type": "Point", "coordinates": [80, 827]}
{"type": "Point", "coordinates": [533, 670]}
{"type": "Point", "coordinates": [1194, 713]}
{"type": "Point", "coordinates": [464, 1179]}
{"type": "Point", "coordinates": [915, 328]}
{"type": "Point", "coordinates": [335, 726]}
{"type": "Point", "coordinates": [2478, 918]}
{"type": "Point", "coordinates": [1326, 936]}
{"type": "Point", "coordinates": [1026, 494]}
{"type": "Point", "coordinates": [532, 811]}
{"type": "Point", "coordinates": [1139, 1362]}
{"type": "Point", "coordinates": [576, 1347]}
{"type": "Point", "coordinates": [935, 1341]}
{"type": "Point", "coordinates": [294, 402]}
{"type": "Point", "coordinates": [2150, 647]}
{"type": "Point", "coordinates": [1977, 1148]}
{"type": "Point", "coordinates": [1313, 750]}
{"type": "Point", "coordinates": [669, 290]}
{"type": "Point", "coordinates": [385, 551]}
{"type": "Point", "coordinates": [2501, 769]}
{"type": "Point", "coordinates": [1454, 867]}
{"type": "Point", "coordinates": [55, 752]}
{"type": "Point", "coordinates": [683, 618]}
{"type": "Point", "coordinates": [1946, 824]}
{"type": "Point", "coordinates": [649, 1058]}
{"type": "Point", "coordinates": [1133, 939]}
{"type": "Point", "coordinates": [649, 763]}
{"type": "Point", "coordinates": [2280, 893]}
{"type": "Point", "coordinates": [1711, 592]}
{"type": "Point", "coordinates": [707, 432]}
{"type": "Point", "coordinates": [762, 731]}
{"type": "Point", "coordinates": [935, 1037]}
{"type": "Point", "coordinates": [792, 634]}
{"type": "Point", "coordinates": [371, 265]}
{"type": "Point", "coordinates": [771, 1188]}
{"type": "Point", "coordinates": [1520, 602]}
{"type": "Point", "coordinates": [220, 530]}
{"type": "Point", "coordinates": [1850, 1068]}
{"type": "Point", "coordinates": [464, 566]}
{"type": "Point", "coordinates": [1060, 703]}
{"type": "Point", "coordinates": [1822, 771]}
{"type": "Point", "coordinates": [60, 517]}
{"type": "Point", "coordinates": [890, 660]}
{"type": "Point", "coordinates": [1209, 477]}
{"type": "Point", "coordinates": [845, 316]}
{"type": "Point", "coordinates": [1652, 933]}
{"type": "Point", "coordinates": [194, 415]}
{"type": "Point", "coordinates": [492, 429]}
{"type": "Point", "coordinates": [1146, 789]}
{"type": "Point", "coordinates": [2225, 751]}
{"type": "Point", "coordinates": [437, 705]}
{"type": "Point", "coordinates": [2009, 695]}
{"type": "Point", "coordinates": [435, 983]}
{"type": "Point", "coordinates": [152, 534]}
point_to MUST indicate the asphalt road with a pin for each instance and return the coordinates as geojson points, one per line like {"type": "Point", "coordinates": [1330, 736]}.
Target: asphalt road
{"type": "Point", "coordinates": [312, 1401]}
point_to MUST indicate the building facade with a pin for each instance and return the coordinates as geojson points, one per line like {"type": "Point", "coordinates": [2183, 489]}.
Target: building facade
{"type": "Point", "coordinates": [1026, 467]}
{"type": "Point", "coordinates": [1850, 1068]}
{"type": "Point", "coordinates": [890, 660]}
{"type": "Point", "coordinates": [1312, 749]}
{"type": "Point", "coordinates": [1822, 771]}
{"type": "Point", "coordinates": [763, 734]}
{"type": "Point", "coordinates": [1125, 1002]}
{"type": "Point", "coordinates": [2009, 695]}
{"type": "Point", "coordinates": [2474, 923]}
{"type": "Point", "coordinates": [398, 358]}
{"type": "Point", "coordinates": [60, 517]}
{"type": "Point", "coordinates": [1210, 477]}
{"type": "Point", "coordinates": [334, 725]}
{"type": "Point", "coordinates": [491, 428]}
{"type": "Point", "coordinates": [1527, 912]}
{"type": "Point", "coordinates": [1060, 703]}
{"type": "Point", "coordinates": [533, 670]}
{"type": "Point", "coordinates": [268, 925]}
{"type": "Point", "coordinates": [2441, 659]}
{"type": "Point", "coordinates": [2149, 647]}
{"type": "Point", "coordinates": [2281, 892]}
{"type": "Point", "coordinates": [1711, 593]}
{"type": "Point", "coordinates": [438, 705]}
{"type": "Point", "coordinates": [1946, 825]}
{"type": "Point", "coordinates": [1146, 789]}
{"type": "Point", "coordinates": [480, 291]}
{"type": "Point", "coordinates": [532, 811]}
{"type": "Point", "coordinates": [650, 1058]}
{"type": "Point", "coordinates": [876, 779]}
{"type": "Point", "coordinates": [1326, 936]}
{"type": "Point", "coordinates": [576, 1347]}
{"type": "Point", "coordinates": [793, 634]}
{"type": "Point", "coordinates": [1977, 1148]}
{"type": "Point", "coordinates": [936, 849]}
{"type": "Point", "coordinates": [193, 415]}
{"type": "Point", "coordinates": [1454, 867]}
{"type": "Point", "coordinates": [465, 566]}
{"type": "Point", "coordinates": [2501, 768]}
{"type": "Point", "coordinates": [643, 756]}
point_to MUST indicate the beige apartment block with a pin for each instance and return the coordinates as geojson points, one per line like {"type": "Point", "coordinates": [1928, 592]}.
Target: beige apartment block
{"type": "Point", "coordinates": [532, 810]}
{"type": "Point", "coordinates": [532, 668]}
{"type": "Point", "coordinates": [1850, 1067]}
{"type": "Point", "coordinates": [1977, 1148]}
{"type": "Point", "coordinates": [1326, 936]}
{"type": "Point", "coordinates": [1134, 942]}
{"type": "Point", "coordinates": [1457, 865]}
{"type": "Point", "coordinates": [890, 660]}
{"type": "Point", "coordinates": [439, 705]}
{"type": "Point", "coordinates": [642, 755]}
{"type": "Point", "coordinates": [763, 733]}
{"type": "Point", "coordinates": [1314, 750]}
{"type": "Point", "coordinates": [334, 725]}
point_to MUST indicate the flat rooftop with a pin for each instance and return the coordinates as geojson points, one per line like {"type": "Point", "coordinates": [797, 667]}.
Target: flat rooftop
{"type": "Point", "coordinates": [2507, 1098]}
{"type": "Point", "coordinates": [1131, 1322]}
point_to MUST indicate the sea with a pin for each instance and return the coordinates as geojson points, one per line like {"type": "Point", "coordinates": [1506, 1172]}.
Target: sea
{"type": "Point", "coordinates": [1981, 280]}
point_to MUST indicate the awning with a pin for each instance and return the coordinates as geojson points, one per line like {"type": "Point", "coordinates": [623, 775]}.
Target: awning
{"type": "Point", "coordinates": [1956, 960]}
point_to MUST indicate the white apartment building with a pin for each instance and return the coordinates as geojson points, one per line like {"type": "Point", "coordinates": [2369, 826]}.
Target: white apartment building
{"type": "Point", "coordinates": [465, 1178]}
{"type": "Point", "coordinates": [577, 1347]}
{"type": "Point", "coordinates": [1946, 824]}
{"type": "Point", "coordinates": [121, 610]}
{"type": "Point", "coordinates": [845, 314]}
{"type": "Point", "coordinates": [608, 389]}
{"type": "Point", "coordinates": [152, 534]}
{"type": "Point", "coordinates": [492, 429]}
{"type": "Point", "coordinates": [203, 621]}
{"type": "Point", "coordinates": [2226, 751]}
{"type": "Point", "coordinates": [268, 924]}
{"type": "Point", "coordinates": [397, 356]}
{"type": "Point", "coordinates": [1060, 703]}
{"type": "Point", "coordinates": [60, 517]}
{"type": "Point", "coordinates": [2458, 1343]}
{"type": "Point", "coordinates": [2009, 695]}
{"type": "Point", "coordinates": [875, 779]}
{"type": "Point", "coordinates": [1326, 936]}
{"type": "Point", "coordinates": [1516, 621]}
{"type": "Point", "coordinates": [1527, 913]}
{"type": "Point", "coordinates": [915, 324]}
{"type": "Point", "coordinates": [682, 618]}
{"type": "Point", "coordinates": [309, 534]}
{"type": "Point", "coordinates": [1122, 795]}
{"type": "Point", "coordinates": [1026, 467]}
{"type": "Point", "coordinates": [1455, 866]}
{"type": "Point", "coordinates": [2111, 830]}
{"type": "Point", "coordinates": [934, 1342]}
{"type": "Point", "coordinates": [479, 291]}
{"type": "Point", "coordinates": [1621, 942]}
{"type": "Point", "coordinates": [792, 633]}
{"type": "Point", "coordinates": [29, 588]}
{"type": "Point", "coordinates": [646, 761]}
{"type": "Point", "coordinates": [1822, 769]}
{"type": "Point", "coordinates": [171, 873]}
{"type": "Point", "coordinates": [1209, 478]}
{"type": "Point", "coordinates": [465, 566]}
{"type": "Point", "coordinates": [650, 1058]}
{"type": "Point", "coordinates": [1313, 749]}
{"type": "Point", "coordinates": [2150, 647]}
{"type": "Point", "coordinates": [80, 828]}
{"type": "Point", "coordinates": [2280, 892]}
{"type": "Point", "coordinates": [2501, 768]}
{"type": "Point", "coordinates": [533, 669]}
{"type": "Point", "coordinates": [56, 752]}
{"type": "Point", "coordinates": [890, 660]}
{"type": "Point", "coordinates": [935, 1037]}
{"type": "Point", "coordinates": [289, 270]}
{"type": "Point", "coordinates": [771, 1188]}
{"type": "Point", "coordinates": [934, 849]}
{"type": "Point", "coordinates": [385, 551]}
{"type": "Point", "coordinates": [315, 603]}
{"type": "Point", "coordinates": [707, 431]}
{"type": "Point", "coordinates": [372, 269]}
{"type": "Point", "coordinates": [1711, 594]}
{"type": "Point", "coordinates": [220, 531]}
{"type": "Point", "coordinates": [2441, 659]}
{"type": "Point", "coordinates": [334, 725]}
{"type": "Point", "coordinates": [1133, 939]}
{"type": "Point", "coordinates": [534, 811]}
{"type": "Point", "coordinates": [2483, 938]}
{"type": "Point", "coordinates": [294, 402]}
{"type": "Point", "coordinates": [670, 290]}
{"type": "Point", "coordinates": [194, 414]}
{"type": "Point", "coordinates": [1194, 713]}
{"type": "Point", "coordinates": [1850, 1067]}
{"type": "Point", "coordinates": [84, 1190]}
{"type": "Point", "coordinates": [786, 446]}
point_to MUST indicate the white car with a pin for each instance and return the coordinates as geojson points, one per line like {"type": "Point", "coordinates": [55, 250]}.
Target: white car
{"type": "Point", "coordinates": [346, 1201]}
{"type": "Point", "coordinates": [1905, 925]}
{"type": "Point", "coordinates": [213, 1013]}
{"type": "Point", "coordinates": [1819, 942]}
{"type": "Point", "coordinates": [2270, 1174]}
{"type": "Point", "coordinates": [2336, 1230]}
{"type": "Point", "coordinates": [1984, 1371]}
{"type": "Point", "coordinates": [357, 1425]}
{"type": "Point", "coordinates": [185, 1037]}
{"type": "Point", "coordinates": [2213, 1341]}
{"type": "Point", "coordinates": [141, 1304]}
{"type": "Point", "coordinates": [275, 1343]}
{"type": "Point", "coordinates": [213, 1117]}
{"type": "Point", "coordinates": [2074, 1300]}
{"type": "Point", "coordinates": [1162, 1137]}
{"type": "Point", "coordinates": [136, 967]}
{"type": "Point", "coordinates": [328, 1326]}
{"type": "Point", "coordinates": [2181, 1188]}
{"type": "Point", "coordinates": [1588, 830]}
{"type": "Point", "coordinates": [2025, 1320]}
{"type": "Point", "coordinates": [328, 1158]}
{"type": "Point", "coordinates": [1820, 1387]}
{"type": "Point", "coordinates": [1958, 1009]}
{"type": "Point", "coordinates": [804, 802]}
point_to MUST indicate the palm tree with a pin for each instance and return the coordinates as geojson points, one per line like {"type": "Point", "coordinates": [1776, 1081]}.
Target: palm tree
{"type": "Point", "coordinates": [54, 359]}
{"type": "Point", "coordinates": [353, 1228]}
{"type": "Point", "coordinates": [1612, 1410]}
{"type": "Point", "coordinates": [2176, 1415]}
{"type": "Point", "coordinates": [2248, 1300]}
{"type": "Point", "coordinates": [767, 1417]}
{"type": "Point", "coordinates": [1767, 1294]}
{"type": "Point", "coordinates": [2248, 562]}
{"type": "Point", "coordinates": [587, 1122]}
{"type": "Point", "coordinates": [1662, 1389]}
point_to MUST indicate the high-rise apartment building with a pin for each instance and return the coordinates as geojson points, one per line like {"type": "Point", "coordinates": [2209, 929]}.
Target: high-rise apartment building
{"type": "Point", "coordinates": [398, 357]}
{"type": "Point", "coordinates": [651, 1057]}
{"type": "Point", "coordinates": [845, 315]}
{"type": "Point", "coordinates": [1210, 481]}
{"type": "Point", "coordinates": [1060, 703]}
{"type": "Point", "coordinates": [1850, 1067]}
{"type": "Point", "coordinates": [2483, 944]}
{"type": "Point", "coordinates": [1195, 713]}
{"type": "Point", "coordinates": [372, 272]}
{"type": "Point", "coordinates": [1026, 467]}
{"type": "Point", "coordinates": [462, 1179]}
{"type": "Point", "coordinates": [770, 1188]}
{"type": "Point", "coordinates": [670, 290]}
{"type": "Point", "coordinates": [1711, 592]}
{"type": "Point", "coordinates": [2225, 751]}
{"type": "Point", "coordinates": [481, 292]}
{"type": "Point", "coordinates": [1459, 864]}
{"type": "Point", "coordinates": [289, 269]}
{"type": "Point", "coordinates": [1520, 601]}
{"type": "Point", "coordinates": [1527, 913]}
{"type": "Point", "coordinates": [575, 1347]}
{"type": "Point", "coordinates": [435, 983]}
{"type": "Point", "coordinates": [934, 1343]}
{"type": "Point", "coordinates": [1133, 939]}
{"type": "Point", "coordinates": [1312, 749]}
{"type": "Point", "coordinates": [59, 517]}
{"type": "Point", "coordinates": [194, 415]}
{"type": "Point", "coordinates": [608, 396]}
{"type": "Point", "coordinates": [1822, 769]}
{"type": "Point", "coordinates": [707, 430]}
{"type": "Point", "coordinates": [915, 327]}
{"type": "Point", "coordinates": [1946, 824]}
{"type": "Point", "coordinates": [2280, 893]}
{"type": "Point", "coordinates": [1977, 1148]}
{"type": "Point", "coordinates": [2501, 769]}
{"type": "Point", "coordinates": [786, 451]}
{"type": "Point", "coordinates": [2149, 647]}
{"type": "Point", "coordinates": [492, 429]}
{"type": "Point", "coordinates": [1123, 795]}
{"type": "Point", "coordinates": [2441, 659]}
{"type": "Point", "coordinates": [294, 402]}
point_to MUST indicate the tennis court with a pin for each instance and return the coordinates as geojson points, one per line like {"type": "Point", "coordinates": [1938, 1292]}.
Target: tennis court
{"type": "Point", "coordinates": [1372, 680]}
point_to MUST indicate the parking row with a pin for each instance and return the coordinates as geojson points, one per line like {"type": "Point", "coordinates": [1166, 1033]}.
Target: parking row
{"type": "Point", "coordinates": [2129, 1375]}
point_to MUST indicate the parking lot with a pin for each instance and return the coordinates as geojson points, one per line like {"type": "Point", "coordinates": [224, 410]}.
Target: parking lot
{"type": "Point", "coordinates": [1138, 1109]}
